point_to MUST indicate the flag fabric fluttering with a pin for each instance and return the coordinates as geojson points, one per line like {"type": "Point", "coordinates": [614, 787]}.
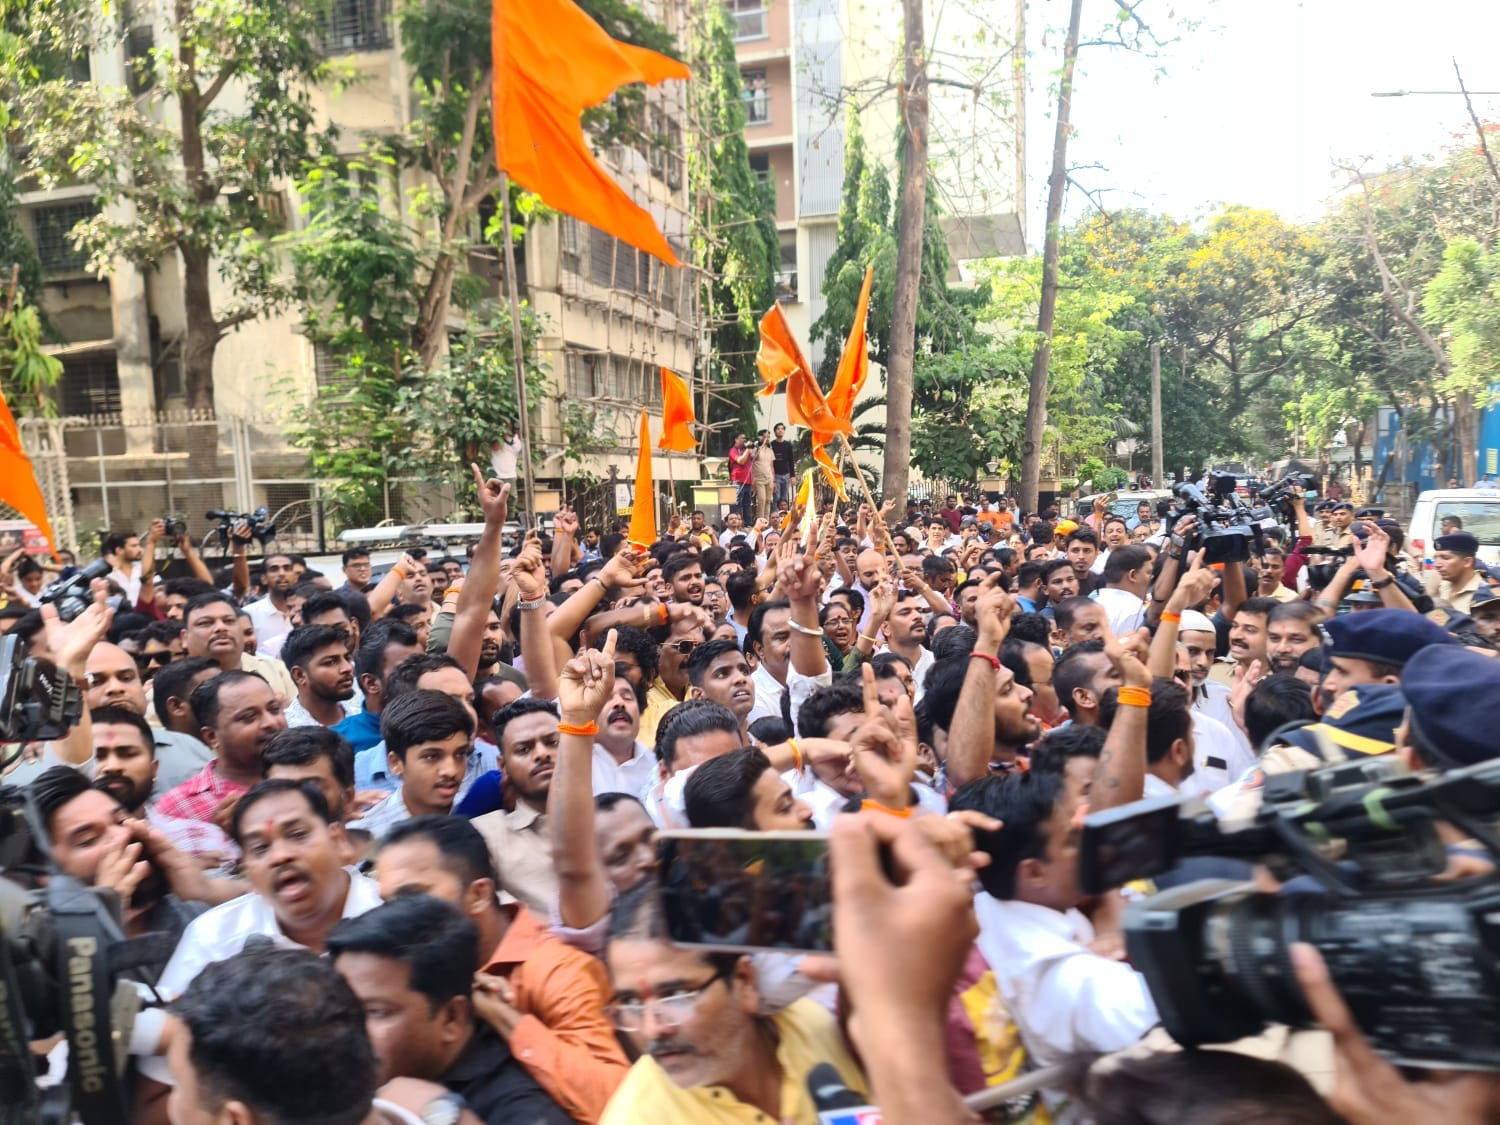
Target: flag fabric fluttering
{"type": "Point", "coordinates": [18, 486]}
{"type": "Point", "coordinates": [779, 354]}
{"type": "Point", "coordinates": [781, 360]}
{"type": "Point", "coordinates": [676, 414]}
{"type": "Point", "coordinates": [642, 531]}
{"type": "Point", "coordinates": [854, 364]}
{"type": "Point", "coordinates": [551, 62]}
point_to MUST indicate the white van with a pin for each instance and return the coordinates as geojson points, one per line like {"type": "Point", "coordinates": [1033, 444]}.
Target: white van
{"type": "Point", "coordinates": [1476, 509]}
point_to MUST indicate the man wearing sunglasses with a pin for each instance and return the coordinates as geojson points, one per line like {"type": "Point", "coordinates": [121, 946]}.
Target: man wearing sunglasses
{"type": "Point", "coordinates": [112, 678]}
{"type": "Point", "coordinates": [709, 1052]}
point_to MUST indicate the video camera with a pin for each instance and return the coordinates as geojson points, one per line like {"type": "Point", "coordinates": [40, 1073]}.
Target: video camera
{"type": "Point", "coordinates": [261, 530]}
{"type": "Point", "coordinates": [1278, 497]}
{"type": "Point", "coordinates": [1229, 526]}
{"type": "Point", "coordinates": [63, 955]}
{"type": "Point", "coordinates": [1414, 958]}
{"type": "Point", "coordinates": [74, 594]}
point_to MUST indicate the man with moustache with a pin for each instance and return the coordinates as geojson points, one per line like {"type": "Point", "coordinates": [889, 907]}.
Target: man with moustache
{"type": "Point", "coordinates": [211, 629]}
{"type": "Point", "coordinates": [318, 658]}
{"type": "Point", "coordinates": [622, 762]}
{"type": "Point", "coordinates": [684, 573]}
{"type": "Point", "coordinates": [527, 734]}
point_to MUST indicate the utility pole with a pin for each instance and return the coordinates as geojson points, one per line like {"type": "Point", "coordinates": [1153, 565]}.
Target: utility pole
{"type": "Point", "coordinates": [913, 102]}
{"type": "Point", "coordinates": [1158, 473]}
{"type": "Point", "coordinates": [1036, 402]}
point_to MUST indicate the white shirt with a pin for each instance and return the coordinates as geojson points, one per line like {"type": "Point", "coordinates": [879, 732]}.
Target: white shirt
{"type": "Point", "coordinates": [1218, 756]}
{"type": "Point", "coordinates": [919, 673]}
{"type": "Point", "coordinates": [299, 716]}
{"type": "Point", "coordinates": [1212, 699]}
{"type": "Point", "coordinates": [503, 458]}
{"type": "Point", "coordinates": [629, 776]}
{"type": "Point", "coordinates": [1125, 611]}
{"type": "Point", "coordinates": [752, 537]}
{"type": "Point", "coordinates": [1156, 787]}
{"type": "Point", "coordinates": [129, 581]}
{"type": "Point", "coordinates": [217, 935]}
{"type": "Point", "coordinates": [1063, 997]}
{"type": "Point", "coordinates": [268, 620]}
{"type": "Point", "coordinates": [797, 684]}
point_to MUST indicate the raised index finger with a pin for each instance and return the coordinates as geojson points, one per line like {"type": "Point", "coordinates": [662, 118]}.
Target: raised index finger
{"type": "Point", "coordinates": [867, 686]}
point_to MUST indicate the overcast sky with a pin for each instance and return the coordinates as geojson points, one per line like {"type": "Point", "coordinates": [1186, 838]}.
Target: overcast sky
{"type": "Point", "coordinates": [1255, 104]}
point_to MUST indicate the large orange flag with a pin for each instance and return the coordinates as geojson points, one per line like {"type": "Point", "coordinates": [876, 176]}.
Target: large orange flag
{"type": "Point", "coordinates": [779, 354]}
{"type": "Point", "coordinates": [854, 364]}
{"type": "Point", "coordinates": [18, 486]}
{"type": "Point", "coordinates": [642, 531]}
{"type": "Point", "coordinates": [676, 414]}
{"type": "Point", "coordinates": [551, 63]}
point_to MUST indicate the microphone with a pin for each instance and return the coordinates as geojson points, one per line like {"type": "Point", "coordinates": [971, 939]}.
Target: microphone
{"type": "Point", "coordinates": [835, 1102]}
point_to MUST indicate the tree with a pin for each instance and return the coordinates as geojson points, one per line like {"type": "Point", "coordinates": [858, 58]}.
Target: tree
{"type": "Point", "coordinates": [211, 122]}
{"type": "Point", "coordinates": [734, 235]}
{"type": "Point", "coordinates": [26, 372]}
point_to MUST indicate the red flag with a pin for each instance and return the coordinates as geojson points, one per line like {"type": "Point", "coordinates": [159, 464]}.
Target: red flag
{"type": "Point", "coordinates": [854, 364]}
{"type": "Point", "coordinates": [676, 413]}
{"type": "Point", "coordinates": [551, 63]}
{"type": "Point", "coordinates": [642, 531]}
{"type": "Point", "coordinates": [18, 486]}
{"type": "Point", "coordinates": [779, 354]}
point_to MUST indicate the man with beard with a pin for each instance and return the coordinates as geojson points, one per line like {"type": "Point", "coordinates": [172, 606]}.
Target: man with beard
{"type": "Point", "coordinates": [1170, 752]}
{"type": "Point", "coordinates": [1081, 676]}
{"type": "Point", "coordinates": [709, 1052]}
{"type": "Point", "coordinates": [428, 738]}
{"type": "Point", "coordinates": [716, 601]}
{"type": "Point", "coordinates": [211, 629]}
{"type": "Point", "coordinates": [1247, 639]}
{"type": "Point", "coordinates": [1083, 552]}
{"type": "Point", "coordinates": [238, 713]}
{"type": "Point", "coordinates": [300, 890]}
{"type": "Point", "coordinates": [273, 615]}
{"type": "Point", "coordinates": [982, 711]}
{"type": "Point", "coordinates": [318, 658]}
{"type": "Point", "coordinates": [1059, 582]}
{"type": "Point", "coordinates": [742, 789]}
{"type": "Point", "coordinates": [622, 762]}
{"type": "Point", "coordinates": [518, 839]}
{"type": "Point", "coordinates": [112, 679]}
{"type": "Point", "coordinates": [125, 767]}
{"type": "Point", "coordinates": [684, 573]}
{"type": "Point", "coordinates": [489, 645]}
{"type": "Point", "coordinates": [1291, 630]}
{"type": "Point", "coordinates": [385, 645]}
{"type": "Point", "coordinates": [905, 632]}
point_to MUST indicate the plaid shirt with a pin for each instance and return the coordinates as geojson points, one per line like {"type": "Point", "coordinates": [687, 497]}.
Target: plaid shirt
{"type": "Point", "coordinates": [384, 816]}
{"type": "Point", "coordinates": [198, 796]}
{"type": "Point", "coordinates": [196, 838]}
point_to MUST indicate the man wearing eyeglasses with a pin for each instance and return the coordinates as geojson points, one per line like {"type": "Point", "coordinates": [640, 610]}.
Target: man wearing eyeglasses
{"type": "Point", "coordinates": [708, 1051]}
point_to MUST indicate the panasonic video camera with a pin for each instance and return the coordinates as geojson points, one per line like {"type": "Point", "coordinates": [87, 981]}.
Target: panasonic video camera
{"type": "Point", "coordinates": [63, 956]}
{"type": "Point", "coordinates": [1230, 530]}
{"type": "Point", "coordinates": [256, 521]}
{"type": "Point", "coordinates": [1357, 846]}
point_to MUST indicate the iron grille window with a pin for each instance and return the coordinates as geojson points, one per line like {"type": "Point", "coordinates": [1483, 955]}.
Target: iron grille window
{"type": "Point", "coordinates": [90, 385]}
{"type": "Point", "coordinates": [329, 371]}
{"type": "Point", "coordinates": [52, 226]}
{"type": "Point", "coordinates": [357, 25]}
{"type": "Point", "coordinates": [749, 18]}
{"type": "Point", "coordinates": [757, 95]}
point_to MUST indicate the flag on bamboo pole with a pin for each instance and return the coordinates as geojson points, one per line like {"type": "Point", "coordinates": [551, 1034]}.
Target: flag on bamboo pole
{"type": "Point", "coordinates": [551, 62]}
{"type": "Point", "coordinates": [18, 486]}
{"type": "Point", "coordinates": [642, 531]}
{"type": "Point", "coordinates": [779, 354]}
{"type": "Point", "coordinates": [854, 364]}
{"type": "Point", "coordinates": [676, 413]}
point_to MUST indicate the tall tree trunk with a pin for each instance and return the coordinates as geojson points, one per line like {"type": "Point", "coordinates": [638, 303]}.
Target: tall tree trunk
{"type": "Point", "coordinates": [1036, 401]}
{"type": "Point", "coordinates": [201, 335]}
{"type": "Point", "coordinates": [432, 325]}
{"type": "Point", "coordinates": [908, 259]}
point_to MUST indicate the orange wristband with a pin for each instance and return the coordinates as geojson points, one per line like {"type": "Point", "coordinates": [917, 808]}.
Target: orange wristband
{"type": "Point", "coordinates": [1174, 618]}
{"type": "Point", "coordinates": [1135, 697]}
{"type": "Point", "coordinates": [796, 752]}
{"type": "Point", "coordinates": [587, 730]}
{"type": "Point", "coordinates": [665, 615]}
{"type": "Point", "coordinates": [868, 805]}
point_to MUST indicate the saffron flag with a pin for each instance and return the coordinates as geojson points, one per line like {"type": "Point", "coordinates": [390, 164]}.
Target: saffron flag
{"type": "Point", "coordinates": [779, 354]}
{"type": "Point", "coordinates": [854, 364]}
{"type": "Point", "coordinates": [18, 486]}
{"type": "Point", "coordinates": [676, 413]}
{"type": "Point", "coordinates": [551, 63]}
{"type": "Point", "coordinates": [642, 531]}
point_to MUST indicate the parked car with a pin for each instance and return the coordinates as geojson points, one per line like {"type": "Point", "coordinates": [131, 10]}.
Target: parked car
{"type": "Point", "coordinates": [1124, 503]}
{"type": "Point", "coordinates": [1478, 510]}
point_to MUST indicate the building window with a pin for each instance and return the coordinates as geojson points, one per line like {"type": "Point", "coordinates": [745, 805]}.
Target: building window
{"type": "Point", "coordinates": [53, 227]}
{"type": "Point", "coordinates": [656, 154]}
{"type": "Point", "coordinates": [586, 373]}
{"type": "Point", "coordinates": [357, 25]}
{"type": "Point", "coordinates": [786, 274]}
{"type": "Point", "coordinates": [89, 385]}
{"type": "Point", "coordinates": [331, 371]}
{"type": "Point", "coordinates": [749, 19]}
{"type": "Point", "coordinates": [757, 97]}
{"type": "Point", "coordinates": [574, 234]}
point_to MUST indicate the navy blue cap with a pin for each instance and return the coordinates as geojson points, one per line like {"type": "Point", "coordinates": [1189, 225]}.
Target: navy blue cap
{"type": "Point", "coordinates": [1459, 542]}
{"type": "Point", "coordinates": [1454, 696]}
{"type": "Point", "coordinates": [1384, 636]}
{"type": "Point", "coordinates": [1370, 514]}
{"type": "Point", "coordinates": [1483, 596]}
{"type": "Point", "coordinates": [1343, 504]}
{"type": "Point", "coordinates": [1362, 720]}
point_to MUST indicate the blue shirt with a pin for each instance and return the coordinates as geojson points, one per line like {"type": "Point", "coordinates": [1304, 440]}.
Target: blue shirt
{"type": "Point", "coordinates": [360, 730]}
{"type": "Point", "coordinates": [372, 771]}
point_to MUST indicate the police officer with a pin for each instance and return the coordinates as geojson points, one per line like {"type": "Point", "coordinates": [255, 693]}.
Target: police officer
{"type": "Point", "coordinates": [1455, 574]}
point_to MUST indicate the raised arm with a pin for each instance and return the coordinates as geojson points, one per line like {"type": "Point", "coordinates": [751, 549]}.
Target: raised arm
{"type": "Point", "coordinates": [564, 541]}
{"type": "Point", "coordinates": [1371, 554]}
{"type": "Point", "coordinates": [618, 573]}
{"type": "Point", "coordinates": [529, 575]}
{"type": "Point", "coordinates": [1120, 777]}
{"type": "Point", "coordinates": [70, 644]}
{"type": "Point", "coordinates": [971, 734]}
{"type": "Point", "coordinates": [385, 590]}
{"type": "Point", "coordinates": [801, 581]}
{"type": "Point", "coordinates": [1196, 585]}
{"type": "Point", "coordinates": [195, 563]}
{"type": "Point", "coordinates": [583, 890]}
{"type": "Point", "coordinates": [472, 611]}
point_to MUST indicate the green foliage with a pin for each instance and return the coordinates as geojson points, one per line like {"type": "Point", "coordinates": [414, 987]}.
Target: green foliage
{"type": "Point", "coordinates": [1462, 303]}
{"type": "Point", "coordinates": [735, 237]}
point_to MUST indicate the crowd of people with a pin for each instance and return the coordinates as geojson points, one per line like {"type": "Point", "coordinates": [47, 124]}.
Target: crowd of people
{"type": "Point", "coordinates": [401, 830]}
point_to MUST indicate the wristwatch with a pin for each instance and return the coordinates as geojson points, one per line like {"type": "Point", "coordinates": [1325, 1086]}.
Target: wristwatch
{"type": "Point", "coordinates": [445, 1109]}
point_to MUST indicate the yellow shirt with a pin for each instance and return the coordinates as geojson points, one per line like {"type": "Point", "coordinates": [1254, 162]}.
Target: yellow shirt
{"type": "Point", "coordinates": [658, 702]}
{"type": "Point", "coordinates": [809, 1036]}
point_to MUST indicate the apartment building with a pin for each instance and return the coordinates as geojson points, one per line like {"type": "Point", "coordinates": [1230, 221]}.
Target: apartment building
{"type": "Point", "coordinates": [127, 451]}
{"type": "Point", "coordinates": [803, 62]}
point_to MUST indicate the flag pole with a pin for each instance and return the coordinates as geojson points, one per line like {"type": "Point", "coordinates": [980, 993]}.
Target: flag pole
{"type": "Point", "coordinates": [870, 496]}
{"type": "Point", "coordinates": [672, 489]}
{"type": "Point", "coordinates": [517, 356]}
